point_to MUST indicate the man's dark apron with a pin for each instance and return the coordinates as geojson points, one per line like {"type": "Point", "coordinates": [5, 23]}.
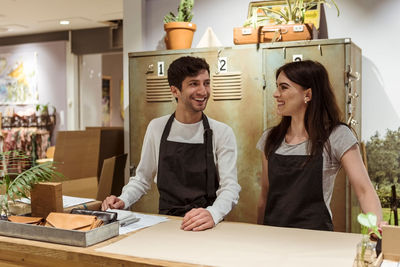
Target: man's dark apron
{"type": "Point", "coordinates": [295, 197]}
{"type": "Point", "coordinates": [187, 176]}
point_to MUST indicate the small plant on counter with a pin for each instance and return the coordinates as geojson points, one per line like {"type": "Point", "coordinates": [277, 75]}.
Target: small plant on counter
{"type": "Point", "coordinates": [366, 253]}
{"type": "Point", "coordinates": [12, 164]}
{"type": "Point", "coordinates": [368, 224]}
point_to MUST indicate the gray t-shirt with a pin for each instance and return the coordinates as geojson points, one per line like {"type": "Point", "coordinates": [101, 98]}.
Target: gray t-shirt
{"type": "Point", "coordinates": [341, 140]}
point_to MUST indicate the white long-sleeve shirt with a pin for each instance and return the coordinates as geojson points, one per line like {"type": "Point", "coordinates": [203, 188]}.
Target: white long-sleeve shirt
{"type": "Point", "coordinates": [225, 156]}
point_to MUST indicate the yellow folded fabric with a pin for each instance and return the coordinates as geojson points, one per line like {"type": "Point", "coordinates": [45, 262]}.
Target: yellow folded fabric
{"type": "Point", "coordinates": [72, 221]}
{"type": "Point", "coordinates": [24, 219]}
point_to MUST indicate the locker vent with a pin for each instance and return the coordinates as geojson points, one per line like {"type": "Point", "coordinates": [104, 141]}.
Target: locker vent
{"type": "Point", "coordinates": [227, 86]}
{"type": "Point", "coordinates": [157, 89]}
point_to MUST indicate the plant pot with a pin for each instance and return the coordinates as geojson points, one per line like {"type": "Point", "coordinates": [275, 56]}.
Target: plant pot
{"type": "Point", "coordinates": [179, 35]}
{"type": "Point", "coordinates": [366, 253]}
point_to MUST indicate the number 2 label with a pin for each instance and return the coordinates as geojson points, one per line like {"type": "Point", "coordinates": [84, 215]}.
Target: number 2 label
{"type": "Point", "coordinates": [222, 64]}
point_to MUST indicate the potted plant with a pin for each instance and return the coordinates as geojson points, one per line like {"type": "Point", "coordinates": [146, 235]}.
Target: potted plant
{"type": "Point", "coordinates": [16, 183]}
{"type": "Point", "coordinates": [282, 22]}
{"type": "Point", "coordinates": [292, 13]}
{"type": "Point", "coordinates": [179, 29]}
{"type": "Point", "coordinates": [45, 119]}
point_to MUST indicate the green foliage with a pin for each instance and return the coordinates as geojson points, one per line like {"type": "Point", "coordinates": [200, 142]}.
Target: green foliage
{"type": "Point", "coordinates": [368, 223]}
{"type": "Point", "coordinates": [293, 12]}
{"type": "Point", "coordinates": [383, 157]}
{"type": "Point", "coordinates": [184, 12]}
{"type": "Point", "coordinates": [23, 182]}
{"type": "Point", "coordinates": [44, 108]}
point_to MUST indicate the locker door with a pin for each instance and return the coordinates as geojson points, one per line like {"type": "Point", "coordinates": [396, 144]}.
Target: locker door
{"type": "Point", "coordinates": [331, 56]}
{"type": "Point", "coordinates": [150, 97]}
{"type": "Point", "coordinates": [237, 100]}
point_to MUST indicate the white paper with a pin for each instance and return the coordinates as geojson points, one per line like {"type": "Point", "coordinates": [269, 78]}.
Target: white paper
{"type": "Point", "coordinates": [24, 200]}
{"type": "Point", "coordinates": [144, 221]}
{"type": "Point", "coordinates": [73, 201]}
{"type": "Point", "coordinates": [238, 244]}
{"type": "Point", "coordinates": [388, 263]}
{"type": "Point", "coordinates": [67, 201]}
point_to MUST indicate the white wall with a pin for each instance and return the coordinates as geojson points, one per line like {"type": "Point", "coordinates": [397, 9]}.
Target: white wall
{"type": "Point", "coordinates": [112, 66]}
{"type": "Point", "coordinates": [51, 75]}
{"type": "Point", "coordinates": [134, 14]}
{"type": "Point", "coordinates": [220, 15]}
{"type": "Point", "coordinates": [372, 24]}
{"type": "Point", "coordinates": [90, 78]}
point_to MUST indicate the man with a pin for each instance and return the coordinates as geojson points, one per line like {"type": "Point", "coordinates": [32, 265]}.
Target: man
{"type": "Point", "coordinates": [192, 158]}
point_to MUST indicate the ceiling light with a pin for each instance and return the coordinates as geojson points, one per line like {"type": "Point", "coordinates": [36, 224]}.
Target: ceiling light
{"type": "Point", "coordinates": [64, 22]}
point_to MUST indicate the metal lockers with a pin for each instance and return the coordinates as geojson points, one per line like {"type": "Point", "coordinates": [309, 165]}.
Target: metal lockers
{"type": "Point", "coordinates": [242, 82]}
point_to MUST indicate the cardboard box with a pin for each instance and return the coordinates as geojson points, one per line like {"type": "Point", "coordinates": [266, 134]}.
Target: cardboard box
{"type": "Point", "coordinates": [111, 176]}
{"type": "Point", "coordinates": [46, 198]}
{"type": "Point", "coordinates": [111, 143]}
{"type": "Point", "coordinates": [80, 155]}
{"type": "Point", "coordinates": [77, 153]}
{"type": "Point", "coordinates": [390, 244]}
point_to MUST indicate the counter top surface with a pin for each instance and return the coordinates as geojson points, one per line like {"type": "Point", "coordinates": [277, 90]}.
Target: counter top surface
{"type": "Point", "coordinates": [227, 244]}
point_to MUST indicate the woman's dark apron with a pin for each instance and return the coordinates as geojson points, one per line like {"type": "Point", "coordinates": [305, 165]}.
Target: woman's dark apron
{"type": "Point", "coordinates": [187, 176]}
{"type": "Point", "coordinates": [295, 196]}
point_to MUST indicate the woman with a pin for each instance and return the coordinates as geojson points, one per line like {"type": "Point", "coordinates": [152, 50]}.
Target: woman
{"type": "Point", "coordinates": [305, 151]}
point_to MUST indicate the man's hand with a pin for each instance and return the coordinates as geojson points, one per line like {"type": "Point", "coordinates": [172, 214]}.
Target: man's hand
{"type": "Point", "coordinates": [197, 220]}
{"type": "Point", "coordinates": [112, 202]}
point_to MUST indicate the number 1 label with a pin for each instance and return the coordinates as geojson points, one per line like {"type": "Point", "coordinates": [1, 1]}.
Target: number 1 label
{"type": "Point", "coordinates": [160, 68]}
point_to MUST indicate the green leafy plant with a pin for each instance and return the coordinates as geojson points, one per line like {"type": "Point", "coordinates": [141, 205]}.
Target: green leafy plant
{"type": "Point", "coordinates": [368, 226]}
{"type": "Point", "coordinates": [184, 12]}
{"type": "Point", "coordinates": [23, 182]}
{"type": "Point", "coordinates": [293, 12]}
{"type": "Point", "coordinates": [43, 109]}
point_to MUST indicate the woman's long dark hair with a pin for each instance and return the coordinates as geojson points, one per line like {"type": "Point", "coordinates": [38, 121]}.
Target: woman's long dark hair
{"type": "Point", "coordinates": [322, 113]}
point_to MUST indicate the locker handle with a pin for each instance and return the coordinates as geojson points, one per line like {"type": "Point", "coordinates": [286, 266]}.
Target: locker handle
{"type": "Point", "coordinates": [150, 68]}
{"type": "Point", "coordinates": [352, 76]}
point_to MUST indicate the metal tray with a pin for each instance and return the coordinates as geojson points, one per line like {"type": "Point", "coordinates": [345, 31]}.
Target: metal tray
{"type": "Point", "coordinates": [59, 236]}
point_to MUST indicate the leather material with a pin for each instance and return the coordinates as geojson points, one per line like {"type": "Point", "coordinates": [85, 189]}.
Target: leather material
{"type": "Point", "coordinates": [25, 219]}
{"type": "Point", "coordinates": [273, 33]}
{"type": "Point", "coordinates": [73, 221]}
{"type": "Point", "coordinates": [106, 216]}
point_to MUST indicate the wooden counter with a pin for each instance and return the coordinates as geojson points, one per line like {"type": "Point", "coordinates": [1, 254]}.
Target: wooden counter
{"type": "Point", "coordinates": [228, 244]}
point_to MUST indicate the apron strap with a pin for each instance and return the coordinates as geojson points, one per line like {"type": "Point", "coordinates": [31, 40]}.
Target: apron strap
{"type": "Point", "coordinates": [167, 127]}
{"type": "Point", "coordinates": [211, 173]}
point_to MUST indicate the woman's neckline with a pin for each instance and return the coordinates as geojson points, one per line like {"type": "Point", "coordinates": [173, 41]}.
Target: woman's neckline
{"type": "Point", "coordinates": [287, 144]}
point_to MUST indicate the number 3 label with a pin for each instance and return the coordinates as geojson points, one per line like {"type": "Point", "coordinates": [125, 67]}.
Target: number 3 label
{"type": "Point", "coordinates": [222, 64]}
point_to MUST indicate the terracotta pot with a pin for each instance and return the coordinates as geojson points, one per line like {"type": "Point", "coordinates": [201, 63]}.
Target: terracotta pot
{"type": "Point", "coordinates": [179, 35]}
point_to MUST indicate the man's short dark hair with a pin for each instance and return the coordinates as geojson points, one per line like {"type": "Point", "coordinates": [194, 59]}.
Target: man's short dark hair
{"type": "Point", "coordinates": [185, 67]}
